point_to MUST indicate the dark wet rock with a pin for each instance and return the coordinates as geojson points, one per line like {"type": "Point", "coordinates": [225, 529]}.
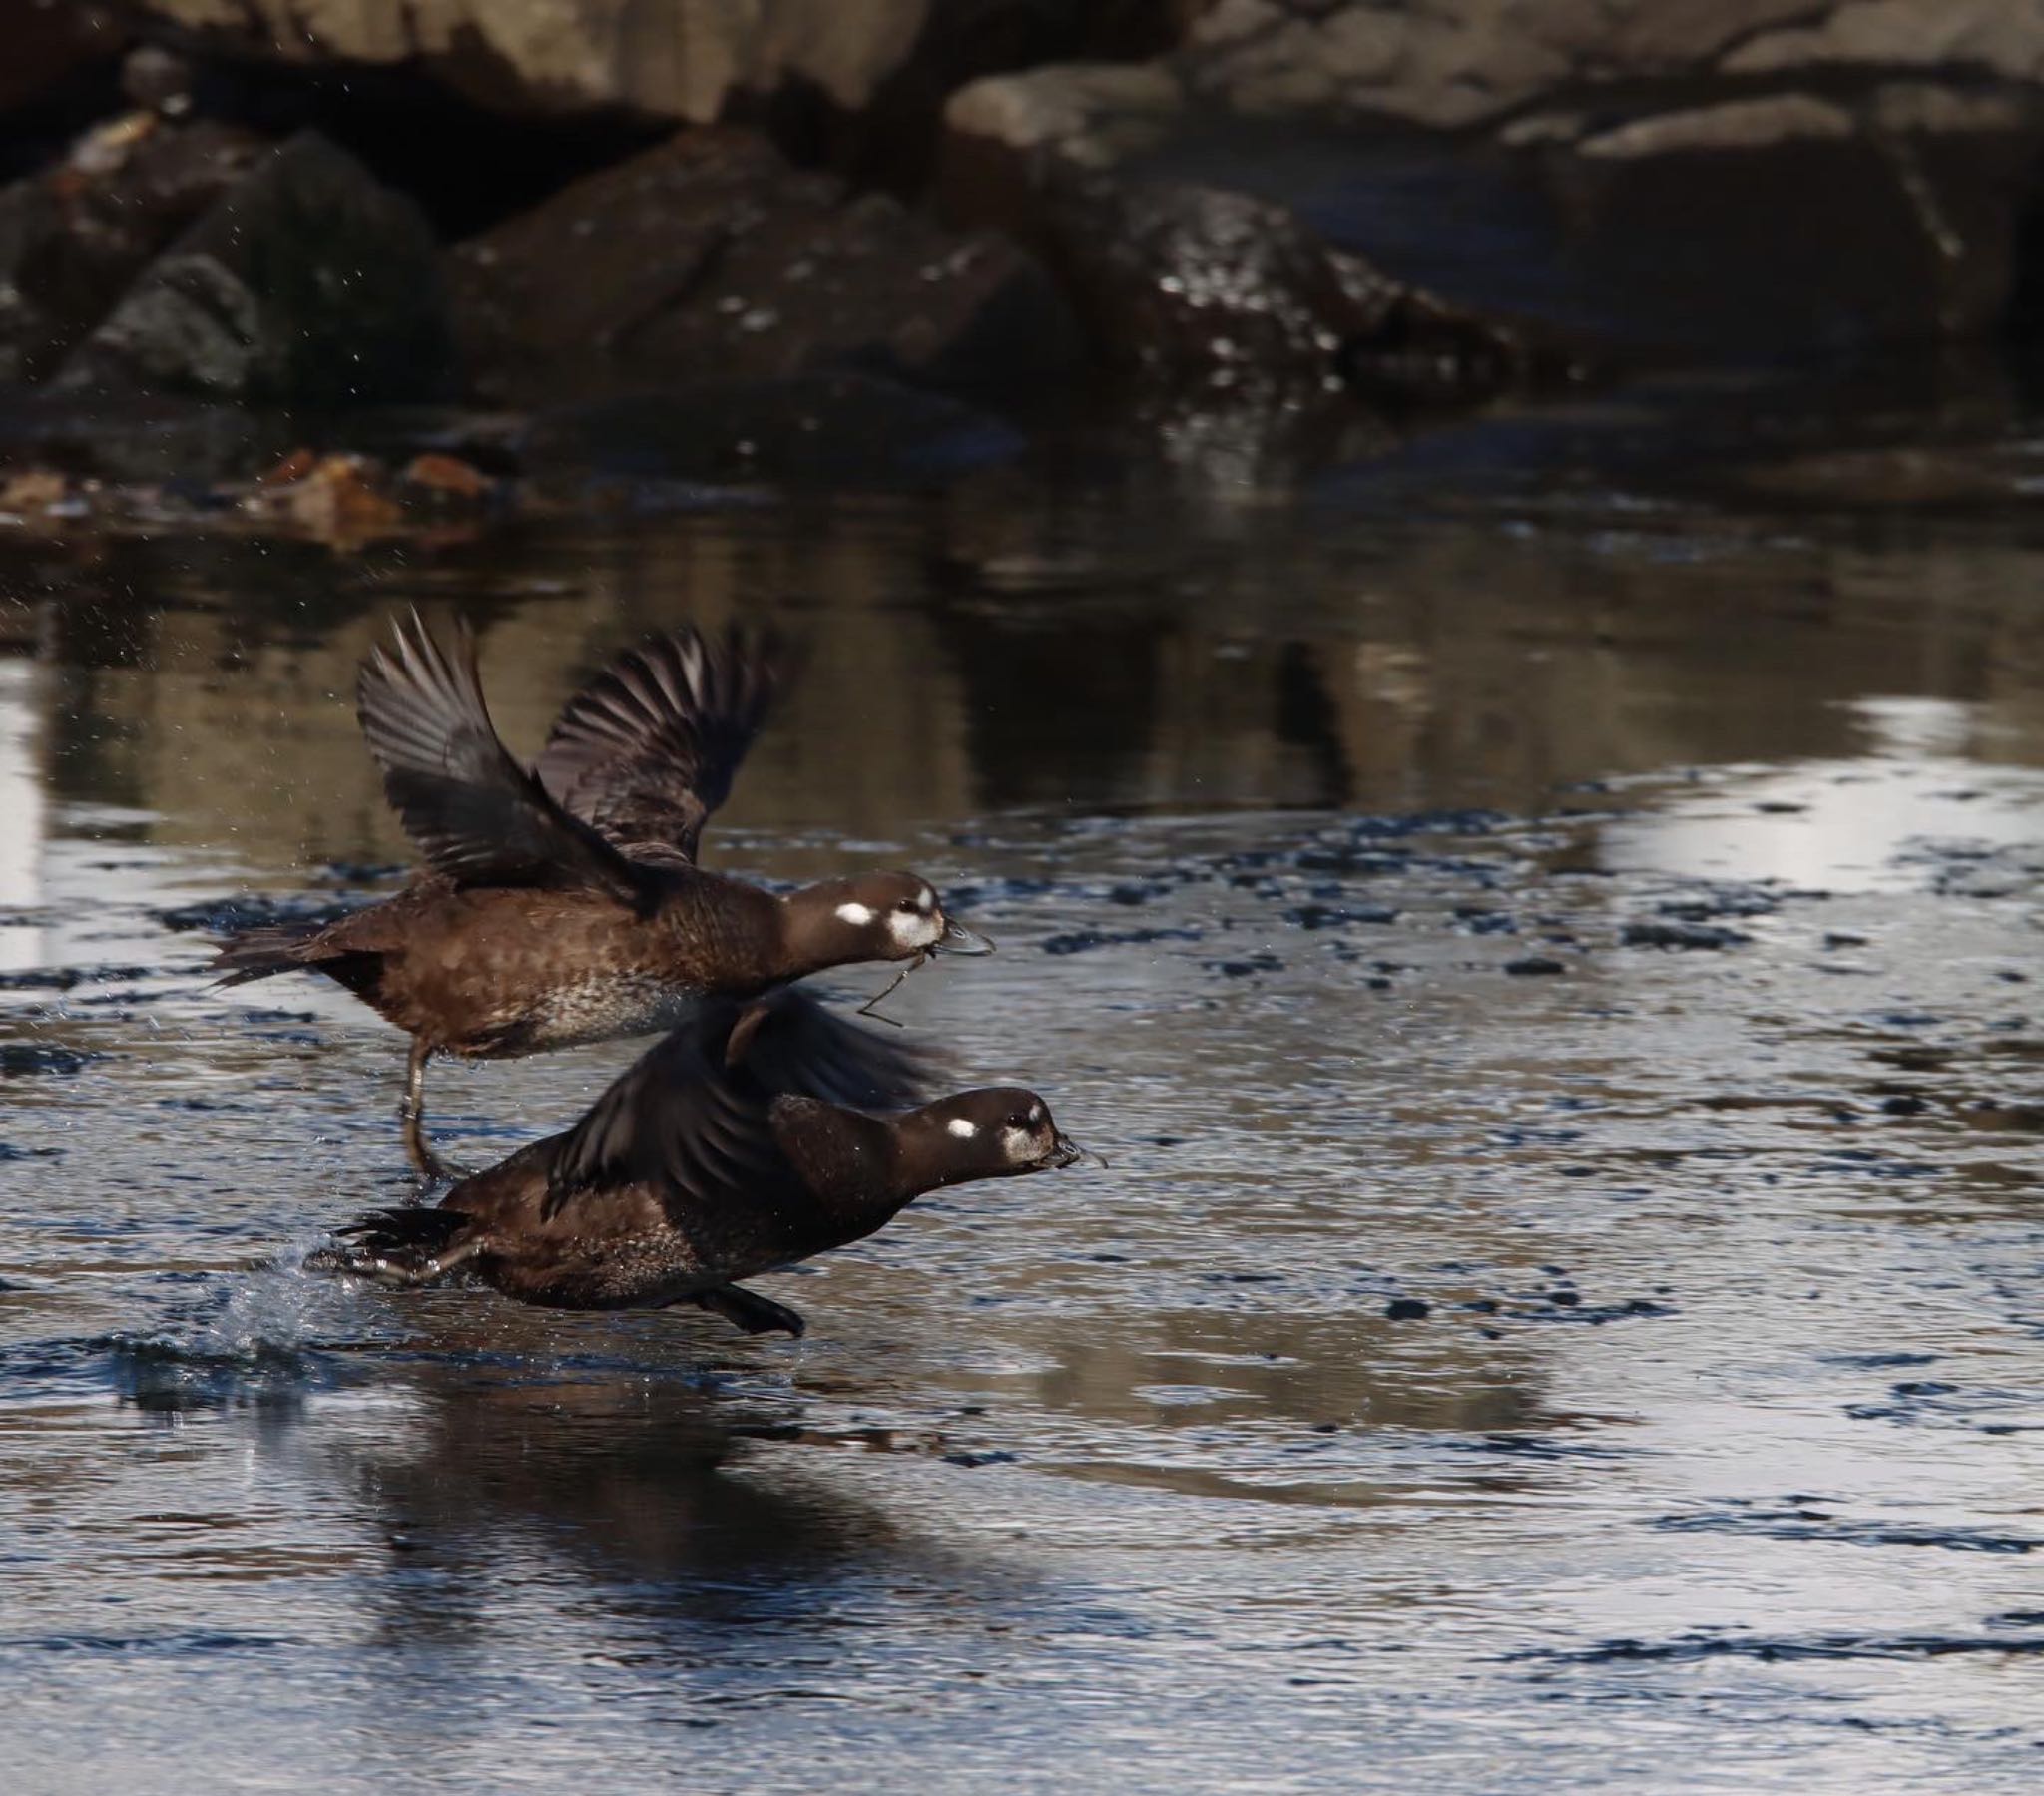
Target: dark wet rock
{"type": "Point", "coordinates": [1647, 933]}
{"type": "Point", "coordinates": [307, 282]}
{"type": "Point", "coordinates": [22, 1059]}
{"type": "Point", "coordinates": [1534, 966]}
{"type": "Point", "coordinates": [1758, 176]}
{"type": "Point", "coordinates": [1184, 280]}
{"type": "Point", "coordinates": [843, 429]}
{"type": "Point", "coordinates": [1084, 941]}
{"type": "Point", "coordinates": [75, 236]}
{"type": "Point", "coordinates": [1244, 968]}
{"type": "Point", "coordinates": [1904, 1105]}
{"type": "Point", "coordinates": [1407, 1309]}
{"type": "Point", "coordinates": [709, 257]}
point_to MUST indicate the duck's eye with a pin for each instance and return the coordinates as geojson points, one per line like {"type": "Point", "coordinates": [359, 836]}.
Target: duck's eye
{"type": "Point", "coordinates": [1018, 1121]}
{"type": "Point", "coordinates": [909, 907]}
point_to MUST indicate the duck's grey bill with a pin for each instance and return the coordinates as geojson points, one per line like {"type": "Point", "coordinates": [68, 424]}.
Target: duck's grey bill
{"type": "Point", "coordinates": [957, 939]}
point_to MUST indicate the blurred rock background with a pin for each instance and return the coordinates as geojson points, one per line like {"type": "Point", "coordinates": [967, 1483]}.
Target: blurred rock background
{"type": "Point", "coordinates": [707, 237]}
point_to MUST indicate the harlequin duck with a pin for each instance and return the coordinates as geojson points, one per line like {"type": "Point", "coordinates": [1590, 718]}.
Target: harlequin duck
{"type": "Point", "coordinates": [750, 1138]}
{"type": "Point", "coordinates": [564, 905]}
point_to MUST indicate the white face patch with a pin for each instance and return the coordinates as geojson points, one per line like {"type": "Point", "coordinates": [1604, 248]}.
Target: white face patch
{"type": "Point", "coordinates": [963, 1129]}
{"type": "Point", "coordinates": [1018, 1145]}
{"type": "Point", "coordinates": [856, 914]}
{"type": "Point", "coordinates": [911, 930]}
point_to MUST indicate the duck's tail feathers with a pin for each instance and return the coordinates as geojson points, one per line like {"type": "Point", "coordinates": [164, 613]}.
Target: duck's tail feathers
{"type": "Point", "coordinates": [260, 953]}
{"type": "Point", "coordinates": [400, 1246]}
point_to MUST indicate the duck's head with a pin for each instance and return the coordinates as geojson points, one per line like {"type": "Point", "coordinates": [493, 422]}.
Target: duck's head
{"type": "Point", "coordinates": [874, 917]}
{"type": "Point", "coordinates": [996, 1132]}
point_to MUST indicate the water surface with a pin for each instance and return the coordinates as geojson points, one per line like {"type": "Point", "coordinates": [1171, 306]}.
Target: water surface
{"type": "Point", "coordinates": [1606, 919]}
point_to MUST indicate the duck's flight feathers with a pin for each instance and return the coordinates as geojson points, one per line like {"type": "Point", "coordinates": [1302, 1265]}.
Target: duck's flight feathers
{"type": "Point", "coordinates": [694, 1115]}
{"type": "Point", "coordinates": [648, 749]}
{"type": "Point", "coordinates": [478, 816]}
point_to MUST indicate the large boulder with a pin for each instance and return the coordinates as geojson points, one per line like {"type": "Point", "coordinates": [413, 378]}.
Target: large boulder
{"type": "Point", "coordinates": [1631, 177]}
{"type": "Point", "coordinates": [73, 237]}
{"type": "Point", "coordinates": [1454, 64]}
{"type": "Point", "coordinates": [307, 283]}
{"type": "Point", "coordinates": [678, 59]}
{"type": "Point", "coordinates": [710, 256]}
{"type": "Point", "coordinates": [1185, 281]}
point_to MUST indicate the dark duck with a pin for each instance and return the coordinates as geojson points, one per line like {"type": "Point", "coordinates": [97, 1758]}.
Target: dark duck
{"type": "Point", "coordinates": [750, 1138]}
{"type": "Point", "coordinates": [563, 904]}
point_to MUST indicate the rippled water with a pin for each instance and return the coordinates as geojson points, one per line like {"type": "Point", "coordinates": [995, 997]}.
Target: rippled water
{"type": "Point", "coordinates": [1611, 925]}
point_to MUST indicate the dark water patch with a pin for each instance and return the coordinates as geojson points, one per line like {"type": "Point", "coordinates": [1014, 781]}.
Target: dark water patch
{"type": "Point", "coordinates": [64, 979]}
{"type": "Point", "coordinates": [1938, 1403]}
{"type": "Point", "coordinates": [1647, 932]}
{"type": "Point", "coordinates": [195, 1644]}
{"type": "Point", "coordinates": [9, 1153]}
{"type": "Point", "coordinates": [1776, 1650]}
{"type": "Point", "coordinates": [1085, 940]}
{"type": "Point", "coordinates": [19, 1060]}
{"type": "Point", "coordinates": [1246, 966]}
{"type": "Point", "coordinates": [1721, 901]}
{"type": "Point", "coordinates": [1339, 916]}
{"type": "Point", "coordinates": [1534, 966]}
{"type": "Point", "coordinates": [232, 915]}
{"type": "Point", "coordinates": [1803, 1521]}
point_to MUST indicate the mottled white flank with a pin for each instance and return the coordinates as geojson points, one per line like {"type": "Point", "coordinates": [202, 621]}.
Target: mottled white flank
{"type": "Point", "coordinates": [963, 1129]}
{"type": "Point", "coordinates": [1018, 1145]}
{"type": "Point", "coordinates": [854, 913]}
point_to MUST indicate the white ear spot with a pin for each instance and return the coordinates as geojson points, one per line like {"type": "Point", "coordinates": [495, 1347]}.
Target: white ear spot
{"type": "Point", "coordinates": [855, 913]}
{"type": "Point", "coordinates": [963, 1129]}
{"type": "Point", "coordinates": [910, 932]}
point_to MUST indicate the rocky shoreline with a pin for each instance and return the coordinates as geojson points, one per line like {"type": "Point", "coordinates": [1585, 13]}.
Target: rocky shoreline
{"type": "Point", "coordinates": [759, 240]}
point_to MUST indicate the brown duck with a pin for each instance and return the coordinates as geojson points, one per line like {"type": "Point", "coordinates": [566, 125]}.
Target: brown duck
{"type": "Point", "coordinates": [564, 905]}
{"type": "Point", "coordinates": [749, 1138]}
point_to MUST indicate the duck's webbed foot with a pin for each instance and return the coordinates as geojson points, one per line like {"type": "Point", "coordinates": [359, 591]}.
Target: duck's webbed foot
{"type": "Point", "coordinates": [750, 1311]}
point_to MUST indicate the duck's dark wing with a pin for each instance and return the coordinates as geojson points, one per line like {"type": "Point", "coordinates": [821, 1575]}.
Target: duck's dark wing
{"type": "Point", "coordinates": [475, 814]}
{"type": "Point", "coordinates": [646, 750]}
{"type": "Point", "coordinates": [692, 1116]}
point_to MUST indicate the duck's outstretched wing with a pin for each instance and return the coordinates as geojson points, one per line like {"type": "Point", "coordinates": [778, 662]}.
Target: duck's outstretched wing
{"type": "Point", "coordinates": [477, 815]}
{"type": "Point", "coordinates": [691, 1117]}
{"type": "Point", "coordinates": [648, 749]}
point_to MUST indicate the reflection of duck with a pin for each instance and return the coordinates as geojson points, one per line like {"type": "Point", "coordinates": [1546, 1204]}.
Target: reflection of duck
{"type": "Point", "coordinates": [750, 1138]}
{"type": "Point", "coordinates": [639, 1519]}
{"type": "Point", "coordinates": [563, 904]}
